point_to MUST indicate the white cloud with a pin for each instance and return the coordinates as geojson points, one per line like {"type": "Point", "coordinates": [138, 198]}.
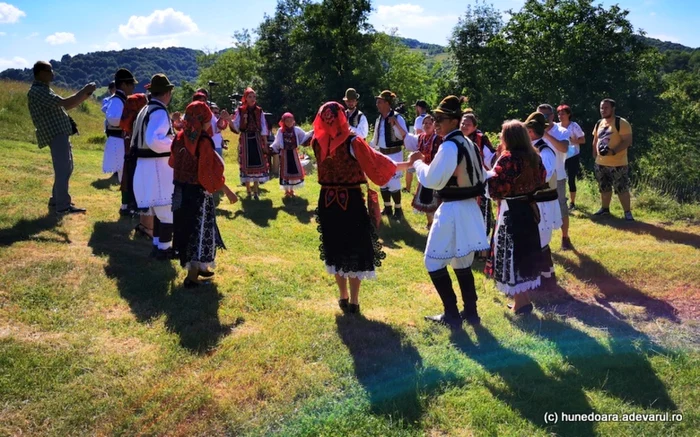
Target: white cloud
{"type": "Point", "coordinates": [2, 34]}
{"type": "Point", "coordinates": [15, 62]}
{"type": "Point", "coordinates": [664, 37]}
{"type": "Point", "coordinates": [407, 15]}
{"type": "Point", "coordinates": [10, 13]}
{"type": "Point", "coordinates": [32, 35]}
{"type": "Point", "coordinates": [107, 47]}
{"type": "Point", "coordinates": [59, 38]}
{"type": "Point", "coordinates": [164, 44]}
{"type": "Point", "coordinates": [652, 14]}
{"type": "Point", "coordinates": [160, 23]}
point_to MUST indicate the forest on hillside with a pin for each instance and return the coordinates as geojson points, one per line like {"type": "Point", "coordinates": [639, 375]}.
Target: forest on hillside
{"type": "Point", "coordinates": [179, 63]}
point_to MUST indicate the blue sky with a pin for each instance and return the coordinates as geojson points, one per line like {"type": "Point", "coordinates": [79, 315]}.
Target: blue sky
{"type": "Point", "coordinates": [29, 30]}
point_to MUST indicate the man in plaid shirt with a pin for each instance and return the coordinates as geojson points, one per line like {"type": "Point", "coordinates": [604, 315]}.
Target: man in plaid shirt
{"type": "Point", "coordinates": [53, 127]}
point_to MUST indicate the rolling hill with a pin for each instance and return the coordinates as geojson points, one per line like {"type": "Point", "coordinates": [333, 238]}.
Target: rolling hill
{"type": "Point", "coordinates": [178, 63]}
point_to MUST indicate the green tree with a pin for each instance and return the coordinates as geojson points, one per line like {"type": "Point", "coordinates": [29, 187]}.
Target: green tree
{"type": "Point", "coordinates": [334, 40]}
{"type": "Point", "coordinates": [402, 70]}
{"type": "Point", "coordinates": [280, 56]}
{"type": "Point", "coordinates": [673, 160]}
{"type": "Point", "coordinates": [558, 51]}
{"type": "Point", "coordinates": [234, 70]}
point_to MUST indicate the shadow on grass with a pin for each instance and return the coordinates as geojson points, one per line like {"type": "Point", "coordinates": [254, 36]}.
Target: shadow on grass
{"type": "Point", "coordinates": [105, 184]}
{"type": "Point", "coordinates": [299, 208]}
{"type": "Point", "coordinates": [389, 368]}
{"type": "Point", "coordinates": [641, 228]}
{"type": "Point", "coordinates": [25, 230]}
{"type": "Point", "coordinates": [613, 289]}
{"type": "Point", "coordinates": [621, 370]}
{"type": "Point", "coordinates": [261, 212]}
{"type": "Point", "coordinates": [148, 286]}
{"type": "Point", "coordinates": [392, 232]}
{"type": "Point", "coordinates": [526, 387]}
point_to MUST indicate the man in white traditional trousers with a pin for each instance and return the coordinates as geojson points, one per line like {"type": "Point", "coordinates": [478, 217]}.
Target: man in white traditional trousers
{"type": "Point", "coordinates": [456, 173]}
{"type": "Point", "coordinates": [389, 141]}
{"type": "Point", "coordinates": [356, 118]}
{"type": "Point", "coordinates": [113, 159]}
{"type": "Point", "coordinates": [547, 199]}
{"type": "Point", "coordinates": [153, 179]}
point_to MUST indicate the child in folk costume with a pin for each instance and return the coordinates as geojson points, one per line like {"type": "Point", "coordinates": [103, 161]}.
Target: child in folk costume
{"type": "Point", "coordinates": [132, 107]}
{"type": "Point", "coordinates": [550, 212]}
{"type": "Point", "coordinates": [198, 173]}
{"type": "Point", "coordinates": [427, 143]}
{"type": "Point", "coordinates": [249, 122]}
{"type": "Point", "coordinates": [289, 137]}
{"type": "Point", "coordinates": [519, 173]}
{"type": "Point", "coordinates": [350, 246]}
{"type": "Point", "coordinates": [457, 174]}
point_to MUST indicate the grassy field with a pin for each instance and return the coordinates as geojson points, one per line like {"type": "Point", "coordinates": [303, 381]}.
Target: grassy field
{"type": "Point", "coordinates": [98, 339]}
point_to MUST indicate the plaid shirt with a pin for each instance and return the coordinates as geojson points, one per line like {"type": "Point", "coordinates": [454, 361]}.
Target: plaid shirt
{"type": "Point", "coordinates": [49, 118]}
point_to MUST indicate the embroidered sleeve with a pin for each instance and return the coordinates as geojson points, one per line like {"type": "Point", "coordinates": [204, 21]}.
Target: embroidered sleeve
{"type": "Point", "coordinates": [279, 141]}
{"type": "Point", "coordinates": [507, 171]}
{"type": "Point", "coordinates": [378, 168]}
{"type": "Point", "coordinates": [210, 170]}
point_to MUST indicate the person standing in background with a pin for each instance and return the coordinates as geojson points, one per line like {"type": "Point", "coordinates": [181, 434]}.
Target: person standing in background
{"type": "Point", "coordinates": [114, 153]}
{"type": "Point", "coordinates": [53, 128]}
{"type": "Point", "coordinates": [612, 136]}
{"type": "Point", "coordinates": [388, 139]}
{"type": "Point", "coordinates": [558, 138]}
{"type": "Point", "coordinates": [356, 118]}
{"type": "Point", "coordinates": [576, 138]}
{"type": "Point", "coordinates": [153, 177]}
{"type": "Point", "coordinates": [421, 107]}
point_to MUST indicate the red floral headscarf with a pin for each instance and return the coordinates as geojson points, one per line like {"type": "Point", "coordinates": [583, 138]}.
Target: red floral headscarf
{"type": "Point", "coordinates": [197, 121]}
{"type": "Point", "coordinates": [285, 116]}
{"type": "Point", "coordinates": [132, 107]}
{"type": "Point", "coordinates": [331, 128]}
{"type": "Point", "coordinates": [199, 97]}
{"type": "Point", "coordinates": [246, 93]}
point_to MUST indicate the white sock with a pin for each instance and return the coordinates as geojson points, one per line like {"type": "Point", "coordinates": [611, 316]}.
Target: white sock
{"type": "Point", "coordinates": [123, 207]}
{"type": "Point", "coordinates": [156, 241]}
{"type": "Point", "coordinates": [387, 204]}
{"type": "Point", "coordinates": [165, 246]}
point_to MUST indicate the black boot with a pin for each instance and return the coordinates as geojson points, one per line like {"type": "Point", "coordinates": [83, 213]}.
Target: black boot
{"type": "Point", "coordinates": [398, 212]}
{"type": "Point", "coordinates": [465, 278]}
{"type": "Point", "coordinates": [386, 197]}
{"type": "Point", "coordinates": [443, 284]}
